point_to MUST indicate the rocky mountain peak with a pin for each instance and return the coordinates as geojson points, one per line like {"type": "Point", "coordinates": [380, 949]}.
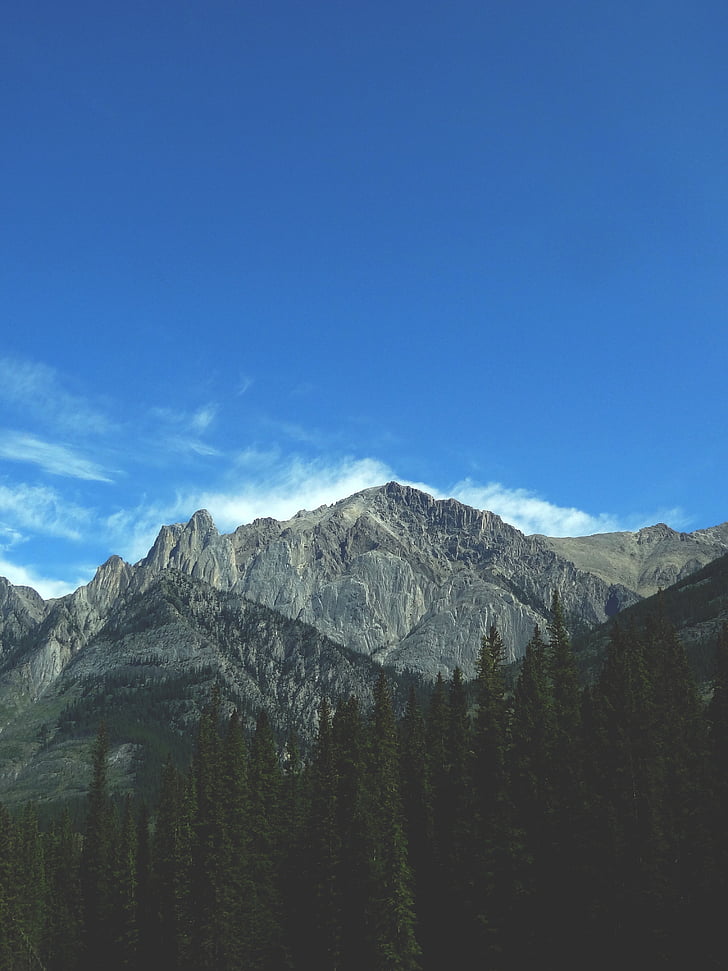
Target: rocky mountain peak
{"type": "Point", "coordinates": [110, 581]}
{"type": "Point", "coordinates": [201, 523]}
{"type": "Point", "coordinates": [656, 534]}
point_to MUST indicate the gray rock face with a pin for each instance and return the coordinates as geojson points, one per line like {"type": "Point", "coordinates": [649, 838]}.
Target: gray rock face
{"type": "Point", "coordinates": [645, 561]}
{"type": "Point", "coordinates": [165, 642]}
{"type": "Point", "coordinates": [282, 613]}
{"type": "Point", "coordinates": [21, 610]}
{"type": "Point", "coordinates": [390, 573]}
{"type": "Point", "coordinates": [394, 574]}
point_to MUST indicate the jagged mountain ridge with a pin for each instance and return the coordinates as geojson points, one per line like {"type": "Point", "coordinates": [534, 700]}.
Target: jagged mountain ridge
{"type": "Point", "coordinates": [394, 574]}
{"type": "Point", "coordinates": [646, 561]}
{"type": "Point", "coordinates": [148, 669]}
{"type": "Point", "coordinates": [389, 574]}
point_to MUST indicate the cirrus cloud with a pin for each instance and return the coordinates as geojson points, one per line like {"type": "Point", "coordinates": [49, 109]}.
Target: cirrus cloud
{"type": "Point", "coordinates": [50, 456]}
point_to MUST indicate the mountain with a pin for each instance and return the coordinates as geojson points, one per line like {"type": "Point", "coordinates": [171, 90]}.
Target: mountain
{"type": "Point", "coordinates": [696, 606]}
{"type": "Point", "coordinates": [148, 669]}
{"type": "Point", "coordinates": [278, 614]}
{"type": "Point", "coordinates": [394, 574]}
{"type": "Point", "coordinates": [646, 561]}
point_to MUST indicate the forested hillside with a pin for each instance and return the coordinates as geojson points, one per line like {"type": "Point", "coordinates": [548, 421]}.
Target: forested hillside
{"type": "Point", "coordinates": [551, 824]}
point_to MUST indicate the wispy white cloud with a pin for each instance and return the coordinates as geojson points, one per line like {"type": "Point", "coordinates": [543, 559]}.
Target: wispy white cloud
{"type": "Point", "coordinates": [9, 537]}
{"type": "Point", "coordinates": [47, 587]}
{"type": "Point", "coordinates": [38, 391]}
{"type": "Point", "coordinates": [269, 482]}
{"type": "Point", "coordinates": [180, 431]}
{"type": "Point", "coordinates": [289, 487]}
{"type": "Point", "coordinates": [178, 443]}
{"type": "Point", "coordinates": [54, 458]}
{"type": "Point", "coordinates": [203, 418]}
{"type": "Point", "coordinates": [43, 511]}
{"type": "Point", "coordinates": [132, 532]}
{"type": "Point", "coordinates": [532, 514]}
{"type": "Point", "coordinates": [280, 487]}
{"type": "Point", "coordinates": [272, 487]}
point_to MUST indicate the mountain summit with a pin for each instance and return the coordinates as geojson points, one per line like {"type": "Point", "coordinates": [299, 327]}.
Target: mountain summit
{"type": "Point", "coordinates": [279, 614]}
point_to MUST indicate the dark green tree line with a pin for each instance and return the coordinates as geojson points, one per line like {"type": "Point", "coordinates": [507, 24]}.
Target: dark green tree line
{"type": "Point", "coordinates": [553, 824]}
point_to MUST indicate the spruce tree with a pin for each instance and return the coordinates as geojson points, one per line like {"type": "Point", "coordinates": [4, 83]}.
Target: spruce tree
{"type": "Point", "coordinates": [323, 852]}
{"type": "Point", "coordinates": [268, 945]}
{"type": "Point", "coordinates": [532, 793]}
{"type": "Point", "coordinates": [209, 850]}
{"type": "Point", "coordinates": [416, 795]}
{"type": "Point", "coordinates": [7, 912]}
{"type": "Point", "coordinates": [237, 891]}
{"type": "Point", "coordinates": [393, 946]}
{"type": "Point", "coordinates": [717, 722]}
{"type": "Point", "coordinates": [125, 893]}
{"type": "Point", "coordinates": [433, 884]}
{"type": "Point", "coordinates": [145, 901]}
{"type": "Point", "coordinates": [97, 859]}
{"type": "Point", "coordinates": [172, 850]}
{"type": "Point", "coordinates": [352, 832]}
{"type": "Point", "coordinates": [62, 939]}
{"type": "Point", "coordinates": [457, 835]}
{"type": "Point", "coordinates": [564, 835]}
{"type": "Point", "coordinates": [493, 847]}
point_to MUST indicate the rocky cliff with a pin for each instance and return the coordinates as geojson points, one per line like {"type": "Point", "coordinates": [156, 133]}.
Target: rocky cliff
{"type": "Point", "coordinates": [645, 561]}
{"type": "Point", "coordinates": [281, 613]}
{"type": "Point", "coordinates": [394, 574]}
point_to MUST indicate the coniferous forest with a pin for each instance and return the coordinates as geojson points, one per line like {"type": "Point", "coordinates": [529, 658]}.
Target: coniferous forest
{"type": "Point", "coordinates": [485, 827]}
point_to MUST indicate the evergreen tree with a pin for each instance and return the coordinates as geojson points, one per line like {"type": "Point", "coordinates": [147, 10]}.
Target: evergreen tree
{"type": "Point", "coordinates": [717, 720]}
{"type": "Point", "coordinates": [438, 733]}
{"type": "Point", "coordinates": [682, 741]}
{"type": "Point", "coordinates": [391, 910]}
{"type": "Point", "coordinates": [352, 829]}
{"type": "Point", "coordinates": [533, 739]}
{"type": "Point", "coordinates": [63, 930]}
{"type": "Point", "coordinates": [650, 782]}
{"type": "Point", "coordinates": [433, 884]}
{"type": "Point", "coordinates": [456, 830]}
{"type": "Point", "coordinates": [145, 900]}
{"type": "Point", "coordinates": [493, 846]}
{"type": "Point", "coordinates": [627, 782]}
{"type": "Point", "coordinates": [566, 694]}
{"type": "Point", "coordinates": [125, 902]}
{"type": "Point", "coordinates": [30, 881]}
{"type": "Point", "coordinates": [209, 851]}
{"type": "Point", "coordinates": [8, 935]}
{"type": "Point", "coordinates": [564, 834]}
{"type": "Point", "coordinates": [323, 933]}
{"type": "Point", "coordinates": [172, 871]}
{"type": "Point", "coordinates": [268, 946]}
{"type": "Point", "coordinates": [532, 793]}
{"type": "Point", "coordinates": [237, 891]}
{"type": "Point", "coordinates": [97, 859]}
{"type": "Point", "coordinates": [416, 795]}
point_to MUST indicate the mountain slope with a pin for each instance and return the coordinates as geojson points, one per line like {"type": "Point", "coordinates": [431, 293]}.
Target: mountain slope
{"type": "Point", "coordinates": [150, 668]}
{"type": "Point", "coordinates": [394, 574]}
{"type": "Point", "coordinates": [279, 614]}
{"type": "Point", "coordinates": [646, 561]}
{"type": "Point", "coordinates": [696, 606]}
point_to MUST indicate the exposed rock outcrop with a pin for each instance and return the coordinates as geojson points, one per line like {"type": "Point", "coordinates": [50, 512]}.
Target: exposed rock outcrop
{"type": "Point", "coordinates": [645, 561]}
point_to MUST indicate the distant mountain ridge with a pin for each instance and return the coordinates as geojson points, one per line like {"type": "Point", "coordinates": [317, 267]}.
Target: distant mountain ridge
{"type": "Point", "coordinates": [390, 573]}
{"type": "Point", "coordinates": [645, 561]}
{"type": "Point", "coordinates": [393, 574]}
{"type": "Point", "coordinates": [279, 614]}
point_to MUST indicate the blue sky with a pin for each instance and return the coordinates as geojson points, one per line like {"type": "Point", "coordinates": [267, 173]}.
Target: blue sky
{"type": "Point", "coordinates": [255, 257]}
